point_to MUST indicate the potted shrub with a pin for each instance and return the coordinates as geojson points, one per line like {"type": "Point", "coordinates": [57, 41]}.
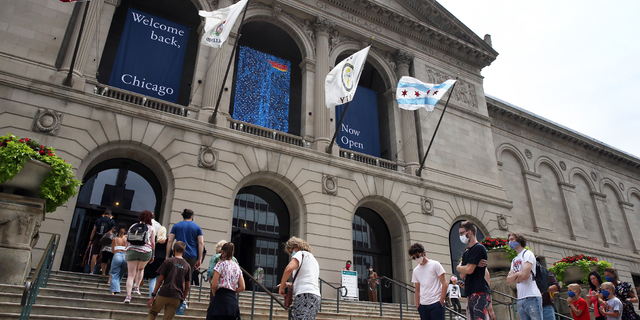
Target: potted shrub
{"type": "Point", "coordinates": [52, 176]}
{"type": "Point", "coordinates": [498, 259]}
{"type": "Point", "coordinates": [576, 268]}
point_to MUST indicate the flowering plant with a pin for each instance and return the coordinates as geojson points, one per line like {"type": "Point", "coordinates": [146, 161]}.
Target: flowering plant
{"type": "Point", "coordinates": [60, 183]}
{"type": "Point", "coordinates": [581, 261]}
{"type": "Point", "coordinates": [494, 243]}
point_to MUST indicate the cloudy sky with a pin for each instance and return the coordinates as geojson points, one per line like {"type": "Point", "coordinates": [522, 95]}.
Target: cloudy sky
{"type": "Point", "coordinates": [576, 63]}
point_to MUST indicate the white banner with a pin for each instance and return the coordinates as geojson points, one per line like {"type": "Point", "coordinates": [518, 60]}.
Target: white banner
{"type": "Point", "coordinates": [218, 24]}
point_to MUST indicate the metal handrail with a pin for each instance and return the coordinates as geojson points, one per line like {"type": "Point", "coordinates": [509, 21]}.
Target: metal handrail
{"type": "Point", "coordinates": [562, 316]}
{"type": "Point", "coordinates": [407, 287]}
{"type": "Point", "coordinates": [40, 277]}
{"type": "Point", "coordinates": [338, 293]}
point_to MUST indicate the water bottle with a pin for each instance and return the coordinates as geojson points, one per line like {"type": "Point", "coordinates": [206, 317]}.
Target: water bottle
{"type": "Point", "coordinates": [183, 306]}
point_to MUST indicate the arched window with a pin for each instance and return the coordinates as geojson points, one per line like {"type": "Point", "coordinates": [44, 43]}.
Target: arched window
{"type": "Point", "coordinates": [260, 224]}
{"type": "Point", "coordinates": [124, 186]}
{"type": "Point", "coordinates": [165, 34]}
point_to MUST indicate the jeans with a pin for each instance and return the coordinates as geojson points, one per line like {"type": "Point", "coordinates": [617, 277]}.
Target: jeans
{"type": "Point", "coordinates": [530, 308]}
{"type": "Point", "coordinates": [548, 313]}
{"type": "Point", "coordinates": [431, 312]}
{"type": "Point", "coordinates": [152, 285]}
{"type": "Point", "coordinates": [118, 268]}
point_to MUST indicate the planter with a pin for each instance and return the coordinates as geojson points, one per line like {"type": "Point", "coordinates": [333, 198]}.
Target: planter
{"type": "Point", "coordinates": [497, 260]}
{"type": "Point", "coordinates": [594, 268]}
{"type": "Point", "coordinates": [27, 182]}
{"type": "Point", "coordinates": [573, 274]}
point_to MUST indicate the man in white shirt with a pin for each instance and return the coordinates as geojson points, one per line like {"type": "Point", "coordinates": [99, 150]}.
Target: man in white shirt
{"type": "Point", "coordinates": [523, 273]}
{"type": "Point", "coordinates": [431, 285]}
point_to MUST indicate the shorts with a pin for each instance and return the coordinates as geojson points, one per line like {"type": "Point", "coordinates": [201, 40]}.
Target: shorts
{"type": "Point", "coordinates": [95, 250]}
{"type": "Point", "coordinates": [106, 256]}
{"type": "Point", "coordinates": [133, 255]}
{"type": "Point", "coordinates": [478, 305]}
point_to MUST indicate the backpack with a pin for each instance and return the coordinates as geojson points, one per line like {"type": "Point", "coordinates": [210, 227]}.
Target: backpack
{"type": "Point", "coordinates": [102, 226]}
{"type": "Point", "coordinates": [542, 278]}
{"type": "Point", "coordinates": [138, 235]}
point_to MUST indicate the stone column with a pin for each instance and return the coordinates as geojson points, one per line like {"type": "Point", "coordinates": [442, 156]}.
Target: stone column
{"type": "Point", "coordinates": [600, 206]}
{"type": "Point", "coordinates": [627, 214]}
{"type": "Point", "coordinates": [409, 143]}
{"type": "Point", "coordinates": [535, 195]}
{"type": "Point", "coordinates": [570, 202]}
{"type": "Point", "coordinates": [20, 220]}
{"type": "Point", "coordinates": [322, 125]}
{"type": "Point", "coordinates": [87, 37]}
{"type": "Point", "coordinates": [308, 68]}
{"type": "Point", "coordinates": [213, 78]}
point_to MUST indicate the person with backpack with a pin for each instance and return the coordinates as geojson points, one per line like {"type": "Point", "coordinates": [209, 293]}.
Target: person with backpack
{"type": "Point", "coordinates": [550, 286]}
{"type": "Point", "coordinates": [103, 225]}
{"type": "Point", "coordinates": [523, 273]}
{"type": "Point", "coordinates": [141, 238]}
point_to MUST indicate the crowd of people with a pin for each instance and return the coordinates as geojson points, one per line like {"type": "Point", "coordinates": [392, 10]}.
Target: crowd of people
{"type": "Point", "coordinates": [170, 262]}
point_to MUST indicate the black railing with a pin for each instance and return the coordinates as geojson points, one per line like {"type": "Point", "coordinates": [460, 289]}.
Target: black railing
{"type": "Point", "coordinates": [40, 277]}
{"type": "Point", "coordinates": [338, 293]}
{"type": "Point", "coordinates": [389, 283]}
{"type": "Point", "coordinates": [513, 311]}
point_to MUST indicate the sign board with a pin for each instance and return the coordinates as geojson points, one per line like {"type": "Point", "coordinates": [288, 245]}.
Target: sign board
{"type": "Point", "coordinates": [359, 129]}
{"type": "Point", "coordinates": [350, 281]}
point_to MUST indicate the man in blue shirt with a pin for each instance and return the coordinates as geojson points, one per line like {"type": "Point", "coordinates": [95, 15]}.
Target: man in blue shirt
{"type": "Point", "coordinates": [190, 233]}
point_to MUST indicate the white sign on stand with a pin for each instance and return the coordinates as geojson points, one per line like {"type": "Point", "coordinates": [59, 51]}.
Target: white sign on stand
{"type": "Point", "coordinates": [350, 281]}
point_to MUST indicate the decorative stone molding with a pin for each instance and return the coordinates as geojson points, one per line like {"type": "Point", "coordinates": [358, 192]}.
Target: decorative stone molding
{"type": "Point", "coordinates": [113, 2]}
{"type": "Point", "coordinates": [329, 185]}
{"type": "Point", "coordinates": [403, 57]}
{"type": "Point", "coordinates": [277, 10]}
{"type": "Point", "coordinates": [47, 121]}
{"type": "Point", "coordinates": [621, 186]}
{"type": "Point", "coordinates": [594, 176]}
{"type": "Point", "coordinates": [208, 158]}
{"type": "Point", "coordinates": [563, 166]}
{"type": "Point", "coordinates": [323, 25]}
{"type": "Point", "coordinates": [502, 222]}
{"type": "Point", "coordinates": [308, 65]}
{"type": "Point", "coordinates": [464, 92]}
{"type": "Point", "coordinates": [528, 153]}
{"type": "Point", "coordinates": [427, 205]}
{"type": "Point", "coordinates": [335, 39]}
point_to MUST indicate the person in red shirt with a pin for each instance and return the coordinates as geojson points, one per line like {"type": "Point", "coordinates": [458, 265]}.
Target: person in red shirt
{"type": "Point", "coordinates": [578, 306]}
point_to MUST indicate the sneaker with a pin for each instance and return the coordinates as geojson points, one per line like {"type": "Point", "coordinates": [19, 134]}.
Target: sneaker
{"type": "Point", "coordinates": [136, 290]}
{"type": "Point", "coordinates": [127, 299]}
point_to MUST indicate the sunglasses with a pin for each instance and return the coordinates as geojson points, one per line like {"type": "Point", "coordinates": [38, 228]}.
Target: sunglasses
{"type": "Point", "coordinates": [414, 257]}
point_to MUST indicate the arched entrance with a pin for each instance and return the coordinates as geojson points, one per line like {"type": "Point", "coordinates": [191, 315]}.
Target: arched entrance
{"type": "Point", "coordinates": [371, 246]}
{"type": "Point", "coordinates": [457, 248]}
{"type": "Point", "coordinates": [123, 185]}
{"type": "Point", "coordinates": [260, 226]}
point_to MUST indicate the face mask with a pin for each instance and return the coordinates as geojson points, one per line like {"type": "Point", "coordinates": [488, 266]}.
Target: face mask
{"type": "Point", "coordinates": [571, 294]}
{"type": "Point", "coordinates": [513, 244]}
{"type": "Point", "coordinates": [293, 252]}
{"type": "Point", "coordinates": [609, 279]}
{"type": "Point", "coordinates": [419, 260]}
{"type": "Point", "coordinates": [605, 293]}
{"type": "Point", "coordinates": [464, 239]}
{"type": "Point", "coordinates": [348, 266]}
{"type": "Point", "coordinates": [371, 269]}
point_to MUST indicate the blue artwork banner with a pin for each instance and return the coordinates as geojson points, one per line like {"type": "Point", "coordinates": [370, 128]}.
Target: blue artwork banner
{"type": "Point", "coordinates": [262, 89]}
{"type": "Point", "coordinates": [359, 129]}
{"type": "Point", "coordinates": [150, 56]}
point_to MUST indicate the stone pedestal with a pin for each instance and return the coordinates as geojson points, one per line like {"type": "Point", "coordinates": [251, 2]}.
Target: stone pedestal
{"type": "Point", "coordinates": [20, 220]}
{"type": "Point", "coordinates": [501, 304]}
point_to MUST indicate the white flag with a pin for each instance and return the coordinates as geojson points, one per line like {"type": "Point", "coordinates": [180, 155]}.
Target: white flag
{"type": "Point", "coordinates": [341, 83]}
{"type": "Point", "coordinates": [413, 94]}
{"type": "Point", "coordinates": [218, 24]}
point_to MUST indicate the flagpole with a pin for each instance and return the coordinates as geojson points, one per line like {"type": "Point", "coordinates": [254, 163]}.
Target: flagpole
{"type": "Point", "coordinates": [212, 119]}
{"type": "Point", "coordinates": [437, 126]}
{"type": "Point", "coordinates": [335, 134]}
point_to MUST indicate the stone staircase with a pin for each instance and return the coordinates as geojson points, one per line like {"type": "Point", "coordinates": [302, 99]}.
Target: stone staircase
{"type": "Point", "coordinates": [72, 296]}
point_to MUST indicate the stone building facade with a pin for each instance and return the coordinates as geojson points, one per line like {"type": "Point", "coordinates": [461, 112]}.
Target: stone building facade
{"type": "Point", "coordinates": [491, 162]}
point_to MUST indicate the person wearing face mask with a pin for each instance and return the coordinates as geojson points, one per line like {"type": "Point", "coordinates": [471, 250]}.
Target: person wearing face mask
{"type": "Point", "coordinates": [431, 285]}
{"type": "Point", "coordinates": [523, 273]}
{"type": "Point", "coordinates": [373, 285]}
{"type": "Point", "coordinates": [472, 269]}
{"type": "Point", "coordinates": [577, 304]}
{"type": "Point", "coordinates": [624, 292]}
{"type": "Point", "coordinates": [306, 271]}
{"type": "Point", "coordinates": [613, 311]}
{"type": "Point", "coordinates": [347, 265]}
{"type": "Point", "coordinates": [595, 280]}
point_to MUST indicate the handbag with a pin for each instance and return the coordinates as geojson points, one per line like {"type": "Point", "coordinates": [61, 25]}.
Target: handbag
{"type": "Point", "coordinates": [288, 298]}
{"type": "Point", "coordinates": [106, 239]}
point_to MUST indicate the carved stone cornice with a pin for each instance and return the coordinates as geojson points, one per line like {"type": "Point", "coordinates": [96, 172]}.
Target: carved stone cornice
{"type": "Point", "coordinates": [440, 30]}
{"type": "Point", "coordinates": [499, 109]}
{"type": "Point", "coordinates": [464, 92]}
{"type": "Point", "coordinates": [277, 10]}
{"type": "Point", "coordinates": [403, 57]}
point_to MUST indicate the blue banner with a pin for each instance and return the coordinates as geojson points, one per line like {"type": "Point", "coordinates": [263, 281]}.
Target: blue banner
{"type": "Point", "coordinates": [359, 129]}
{"type": "Point", "coordinates": [262, 89]}
{"type": "Point", "coordinates": [150, 56]}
